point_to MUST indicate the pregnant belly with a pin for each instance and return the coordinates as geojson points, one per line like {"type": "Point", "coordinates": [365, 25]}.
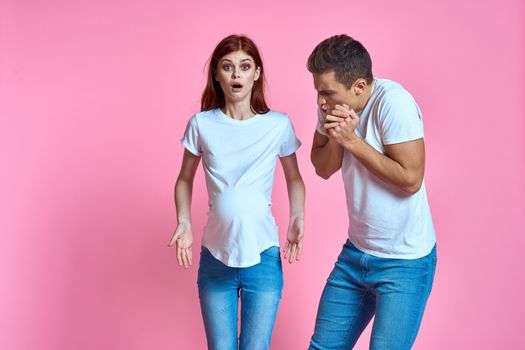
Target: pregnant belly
{"type": "Point", "coordinates": [231, 205]}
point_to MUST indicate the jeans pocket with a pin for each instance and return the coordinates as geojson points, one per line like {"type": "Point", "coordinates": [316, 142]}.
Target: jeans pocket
{"type": "Point", "coordinates": [205, 252]}
{"type": "Point", "coordinates": [272, 252]}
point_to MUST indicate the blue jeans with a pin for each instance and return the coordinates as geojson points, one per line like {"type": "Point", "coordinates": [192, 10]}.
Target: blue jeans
{"type": "Point", "coordinates": [361, 286]}
{"type": "Point", "coordinates": [259, 289]}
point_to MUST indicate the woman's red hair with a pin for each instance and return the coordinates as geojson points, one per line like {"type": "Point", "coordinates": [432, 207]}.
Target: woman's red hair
{"type": "Point", "coordinates": [213, 96]}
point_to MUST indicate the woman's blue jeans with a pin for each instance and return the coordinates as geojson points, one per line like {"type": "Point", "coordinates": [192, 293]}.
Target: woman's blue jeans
{"type": "Point", "coordinates": [259, 288]}
{"type": "Point", "coordinates": [361, 286]}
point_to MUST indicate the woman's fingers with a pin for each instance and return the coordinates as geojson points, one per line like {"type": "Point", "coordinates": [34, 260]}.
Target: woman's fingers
{"type": "Point", "coordinates": [174, 238]}
{"type": "Point", "coordinates": [286, 249]}
{"type": "Point", "coordinates": [292, 253]}
{"type": "Point", "coordinates": [184, 254]}
{"type": "Point", "coordinates": [299, 250]}
{"type": "Point", "coordinates": [179, 255]}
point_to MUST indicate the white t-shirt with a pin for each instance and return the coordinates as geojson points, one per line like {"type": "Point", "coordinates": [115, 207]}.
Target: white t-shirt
{"type": "Point", "coordinates": [239, 159]}
{"type": "Point", "coordinates": [385, 221]}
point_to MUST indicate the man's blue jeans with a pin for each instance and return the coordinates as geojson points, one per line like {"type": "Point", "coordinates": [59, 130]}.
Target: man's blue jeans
{"type": "Point", "coordinates": [361, 286]}
{"type": "Point", "coordinates": [259, 288]}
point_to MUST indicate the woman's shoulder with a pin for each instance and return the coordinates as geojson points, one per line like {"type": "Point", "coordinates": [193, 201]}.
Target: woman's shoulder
{"type": "Point", "coordinates": [205, 114]}
{"type": "Point", "coordinates": [277, 116]}
{"type": "Point", "coordinates": [202, 117]}
{"type": "Point", "coordinates": [197, 120]}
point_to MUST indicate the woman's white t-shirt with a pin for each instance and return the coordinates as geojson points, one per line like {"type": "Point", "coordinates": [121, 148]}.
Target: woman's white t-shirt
{"type": "Point", "coordinates": [239, 159]}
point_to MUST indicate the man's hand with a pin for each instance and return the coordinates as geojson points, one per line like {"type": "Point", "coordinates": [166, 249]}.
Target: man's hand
{"type": "Point", "coordinates": [340, 125]}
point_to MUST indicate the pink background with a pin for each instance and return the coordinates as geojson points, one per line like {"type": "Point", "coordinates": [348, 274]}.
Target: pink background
{"type": "Point", "coordinates": [94, 99]}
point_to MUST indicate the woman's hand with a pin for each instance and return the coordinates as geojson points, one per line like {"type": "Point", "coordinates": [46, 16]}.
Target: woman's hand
{"type": "Point", "coordinates": [294, 243]}
{"type": "Point", "coordinates": [183, 237]}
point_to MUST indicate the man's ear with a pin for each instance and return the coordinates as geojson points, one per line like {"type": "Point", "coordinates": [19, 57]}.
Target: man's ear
{"type": "Point", "coordinates": [359, 86]}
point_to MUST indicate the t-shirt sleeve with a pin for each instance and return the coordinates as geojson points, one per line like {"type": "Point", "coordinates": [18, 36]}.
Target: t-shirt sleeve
{"type": "Point", "coordinates": [191, 139]}
{"type": "Point", "coordinates": [400, 118]}
{"type": "Point", "coordinates": [320, 122]}
{"type": "Point", "coordinates": [289, 142]}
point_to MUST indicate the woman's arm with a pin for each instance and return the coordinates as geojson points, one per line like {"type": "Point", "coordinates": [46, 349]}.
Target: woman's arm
{"type": "Point", "coordinates": [183, 192]}
{"type": "Point", "coordinates": [296, 196]}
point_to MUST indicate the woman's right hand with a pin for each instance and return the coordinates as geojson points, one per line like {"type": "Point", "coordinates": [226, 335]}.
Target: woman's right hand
{"type": "Point", "coordinates": [183, 238]}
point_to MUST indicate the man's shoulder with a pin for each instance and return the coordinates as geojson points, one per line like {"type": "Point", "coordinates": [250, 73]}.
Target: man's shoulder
{"type": "Point", "coordinates": [389, 89]}
{"type": "Point", "coordinates": [388, 93]}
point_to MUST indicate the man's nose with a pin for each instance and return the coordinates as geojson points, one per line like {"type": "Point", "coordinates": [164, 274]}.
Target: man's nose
{"type": "Point", "coordinates": [321, 101]}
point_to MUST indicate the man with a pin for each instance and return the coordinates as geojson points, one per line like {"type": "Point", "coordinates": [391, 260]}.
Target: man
{"type": "Point", "coordinates": [372, 130]}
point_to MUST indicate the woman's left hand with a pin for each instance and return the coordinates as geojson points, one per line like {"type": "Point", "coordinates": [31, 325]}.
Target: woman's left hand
{"type": "Point", "coordinates": [294, 243]}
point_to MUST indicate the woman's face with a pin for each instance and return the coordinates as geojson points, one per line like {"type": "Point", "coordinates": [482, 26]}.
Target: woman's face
{"type": "Point", "coordinates": [236, 73]}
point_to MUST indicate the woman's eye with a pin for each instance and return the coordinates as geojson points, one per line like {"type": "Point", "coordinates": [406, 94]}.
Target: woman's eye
{"type": "Point", "coordinates": [227, 67]}
{"type": "Point", "coordinates": [245, 67]}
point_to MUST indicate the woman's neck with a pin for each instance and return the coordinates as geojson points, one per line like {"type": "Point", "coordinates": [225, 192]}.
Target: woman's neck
{"type": "Point", "coordinates": [238, 111]}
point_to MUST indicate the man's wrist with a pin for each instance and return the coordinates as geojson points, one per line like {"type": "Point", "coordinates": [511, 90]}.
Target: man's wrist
{"type": "Point", "coordinates": [352, 142]}
{"type": "Point", "coordinates": [332, 143]}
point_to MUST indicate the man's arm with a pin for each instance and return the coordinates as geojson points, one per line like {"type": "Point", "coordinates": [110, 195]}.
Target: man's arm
{"type": "Point", "coordinates": [326, 155]}
{"type": "Point", "coordinates": [403, 165]}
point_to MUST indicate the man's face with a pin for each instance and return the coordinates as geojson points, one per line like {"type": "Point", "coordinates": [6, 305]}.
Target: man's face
{"type": "Point", "coordinates": [331, 92]}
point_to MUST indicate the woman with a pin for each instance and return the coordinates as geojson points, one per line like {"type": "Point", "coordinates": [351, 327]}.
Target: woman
{"type": "Point", "coordinates": [239, 140]}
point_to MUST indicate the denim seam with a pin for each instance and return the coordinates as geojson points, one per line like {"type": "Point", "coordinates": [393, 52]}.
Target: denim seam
{"type": "Point", "coordinates": [271, 256]}
{"type": "Point", "coordinates": [239, 282]}
{"type": "Point", "coordinates": [353, 320]}
{"type": "Point", "coordinates": [422, 287]}
{"type": "Point", "coordinates": [363, 266]}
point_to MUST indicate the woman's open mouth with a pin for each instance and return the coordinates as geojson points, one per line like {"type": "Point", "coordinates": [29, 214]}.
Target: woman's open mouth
{"type": "Point", "coordinates": [236, 87]}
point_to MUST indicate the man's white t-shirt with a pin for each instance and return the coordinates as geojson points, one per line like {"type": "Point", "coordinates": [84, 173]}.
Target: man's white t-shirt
{"type": "Point", "coordinates": [385, 221]}
{"type": "Point", "coordinates": [239, 159]}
